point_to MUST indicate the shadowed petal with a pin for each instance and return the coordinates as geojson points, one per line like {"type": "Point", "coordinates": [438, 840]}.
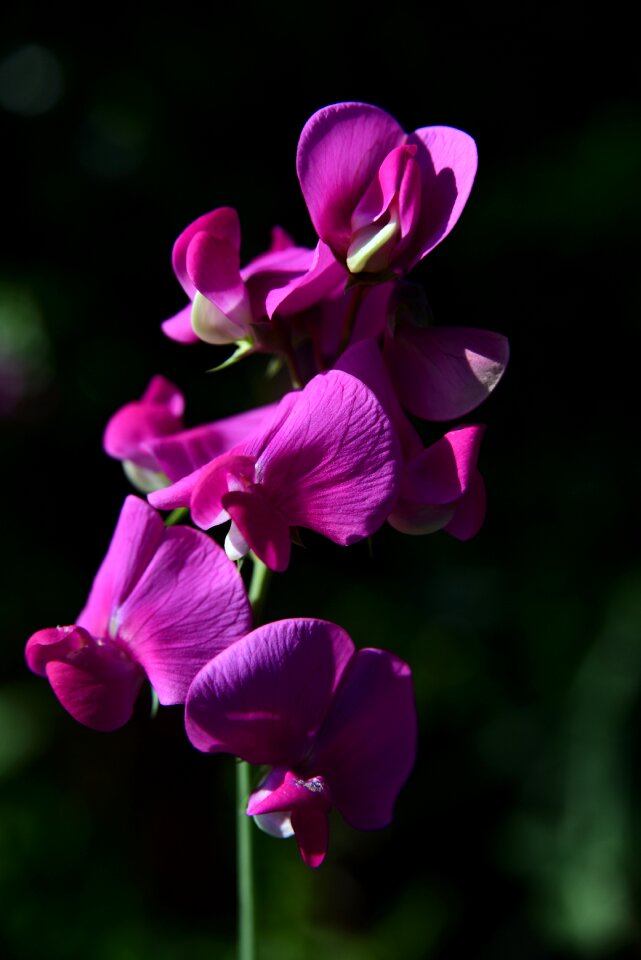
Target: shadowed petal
{"type": "Point", "coordinates": [182, 453]}
{"type": "Point", "coordinates": [448, 160]}
{"type": "Point", "coordinates": [443, 471]}
{"type": "Point", "coordinates": [470, 510]}
{"type": "Point", "coordinates": [311, 830]}
{"type": "Point", "coordinates": [441, 373]}
{"type": "Point", "coordinates": [264, 698]}
{"type": "Point", "coordinates": [364, 360]}
{"type": "Point", "coordinates": [263, 530]}
{"type": "Point", "coordinates": [367, 746]}
{"type": "Point", "coordinates": [418, 519]}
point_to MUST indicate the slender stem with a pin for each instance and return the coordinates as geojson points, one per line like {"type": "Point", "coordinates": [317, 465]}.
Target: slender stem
{"type": "Point", "coordinates": [246, 923]}
{"type": "Point", "coordinates": [176, 516]}
{"type": "Point", "coordinates": [258, 587]}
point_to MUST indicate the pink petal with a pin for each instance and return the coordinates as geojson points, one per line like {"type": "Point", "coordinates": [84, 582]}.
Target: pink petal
{"type": "Point", "coordinates": [448, 161]}
{"type": "Point", "coordinates": [311, 830]}
{"type": "Point", "coordinates": [94, 680]}
{"type": "Point", "coordinates": [332, 461]}
{"type": "Point", "coordinates": [441, 373]}
{"type": "Point", "coordinates": [265, 698]}
{"type": "Point", "coordinates": [470, 510]}
{"type": "Point", "coordinates": [443, 471]}
{"type": "Point", "coordinates": [364, 360]}
{"type": "Point", "coordinates": [288, 261]}
{"type": "Point", "coordinates": [340, 151]}
{"type": "Point", "coordinates": [179, 327]}
{"type": "Point", "coordinates": [157, 413]}
{"type": "Point", "coordinates": [189, 604]}
{"type": "Point", "coordinates": [280, 239]}
{"type": "Point", "coordinates": [179, 494]}
{"type": "Point", "coordinates": [271, 271]}
{"type": "Point", "coordinates": [184, 452]}
{"type": "Point", "coordinates": [398, 179]}
{"type": "Point", "coordinates": [230, 471]}
{"type": "Point", "coordinates": [325, 277]}
{"type": "Point", "coordinates": [305, 803]}
{"type": "Point", "coordinates": [263, 530]}
{"type": "Point", "coordinates": [367, 746]}
{"type": "Point", "coordinates": [222, 223]}
{"type": "Point", "coordinates": [214, 267]}
{"type": "Point", "coordinates": [284, 791]}
{"type": "Point", "coordinates": [137, 536]}
{"type": "Point", "coordinates": [166, 394]}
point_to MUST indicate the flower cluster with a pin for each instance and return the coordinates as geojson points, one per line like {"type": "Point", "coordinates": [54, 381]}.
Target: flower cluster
{"type": "Point", "coordinates": [338, 455]}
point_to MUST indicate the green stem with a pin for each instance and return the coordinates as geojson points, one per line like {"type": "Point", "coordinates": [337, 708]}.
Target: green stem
{"type": "Point", "coordinates": [246, 924]}
{"type": "Point", "coordinates": [176, 516]}
{"type": "Point", "coordinates": [246, 914]}
{"type": "Point", "coordinates": [258, 587]}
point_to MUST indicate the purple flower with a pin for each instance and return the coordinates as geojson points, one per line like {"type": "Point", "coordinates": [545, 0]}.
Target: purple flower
{"type": "Point", "coordinates": [337, 725]}
{"type": "Point", "coordinates": [439, 373]}
{"type": "Point", "coordinates": [148, 436]}
{"type": "Point", "coordinates": [380, 198]}
{"type": "Point", "coordinates": [158, 413]}
{"type": "Point", "coordinates": [327, 460]}
{"type": "Point", "coordinates": [164, 601]}
{"type": "Point", "coordinates": [226, 302]}
{"type": "Point", "coordinates": [441, 488]}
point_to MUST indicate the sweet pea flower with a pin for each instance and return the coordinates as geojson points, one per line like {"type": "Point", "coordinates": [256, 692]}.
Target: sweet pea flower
{"type": "Point", "coordinates": [380, 198]}
{"type": "Point", "coordinates": [441, 487]}
{"type": "Point", "coordinates": [227, 303]}
{"type": "Point", "coordinates": [158, 413]}
{"type": "Point", "coordinates": [163, 603]}
{"type": "Point", "coordinates": [147, 435]}
{"type": "Point", "coordinates": [439, 373]}
{"type": "Point", "coordinates": [337, 726]}
{"type": "Point", "coordinates": [328, 460]}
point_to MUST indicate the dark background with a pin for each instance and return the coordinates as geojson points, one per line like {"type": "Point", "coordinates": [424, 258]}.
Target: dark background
{"type": "Point", "coordinates": [518, 834]}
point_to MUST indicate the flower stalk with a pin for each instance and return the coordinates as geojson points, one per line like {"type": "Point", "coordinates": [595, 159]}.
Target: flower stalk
{"type": "Point", "coordinates": [245, 876]}
{"type": "Point", "coordinates": [261, 575]}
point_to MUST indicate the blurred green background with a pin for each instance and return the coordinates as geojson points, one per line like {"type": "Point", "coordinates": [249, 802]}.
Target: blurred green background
{"type": "Point", "coordinates": [518, 834]}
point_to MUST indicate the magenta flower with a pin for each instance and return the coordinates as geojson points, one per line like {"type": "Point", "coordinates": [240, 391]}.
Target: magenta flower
{"type": "Point", "coordinates": [328, 460]}
{"type": "Point", "coordinates": [158, 413]}
{"type": "Point", "coordinates": [337, 725]}
{"type": "Point", "coordinates": [439, 373]}
{"type": "Point", "coordinates": [148, 436]}
{"type": "Point", "coordinates": [441, 487]}
{"type": "Point", "coordinates": [380, 198]}
{"type": "Point", "coordinates": [226, 302]}
{"type": "Point", "coordinates": [163, 603]}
